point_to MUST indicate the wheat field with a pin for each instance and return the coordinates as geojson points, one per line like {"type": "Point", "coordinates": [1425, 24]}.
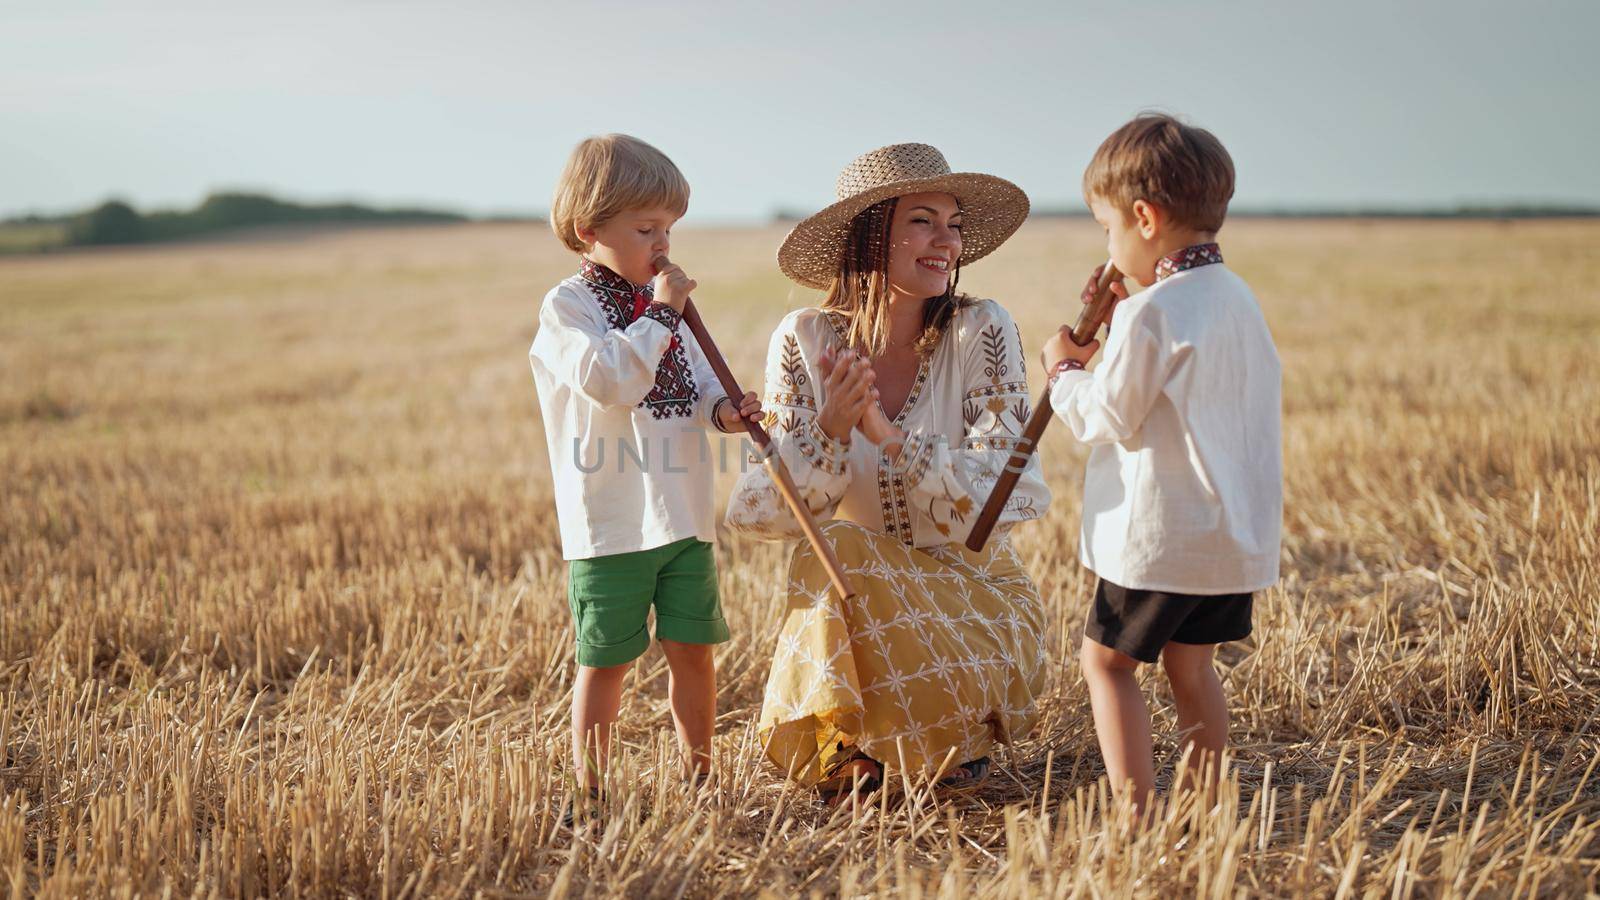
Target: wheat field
{"type": "Point", "coordinates": [282, 605]}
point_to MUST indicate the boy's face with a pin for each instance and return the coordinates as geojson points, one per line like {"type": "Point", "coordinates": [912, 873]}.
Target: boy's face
{"type": "Point", "coordinates": [1133, 237]}
{"type": "Point", "coordinates": [630, 243]}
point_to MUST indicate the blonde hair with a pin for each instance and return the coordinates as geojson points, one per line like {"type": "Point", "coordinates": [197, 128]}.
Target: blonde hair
{"type": "Point", "coordinates": [608, 175]}
{"type": "Point", "coordinates": [1182, 169]}
{"type": "Point", "coordinates": [860, 288]}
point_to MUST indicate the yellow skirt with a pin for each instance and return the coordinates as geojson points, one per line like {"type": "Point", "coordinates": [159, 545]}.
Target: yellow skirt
{"type": "Point", "coordinates": [941, 649]}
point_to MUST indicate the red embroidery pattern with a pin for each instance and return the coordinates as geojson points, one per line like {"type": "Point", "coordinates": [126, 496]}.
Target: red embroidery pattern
{"type": "Point", "coordinates": [1063, 367]}
{"type": "Point", "coordinates": [1188, 258]}
{"type": "Point", "coordinates": [623, 303]}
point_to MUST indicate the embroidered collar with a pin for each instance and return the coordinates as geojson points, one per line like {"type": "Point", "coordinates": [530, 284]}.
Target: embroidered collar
{"type": "Point", "coordinates": [602, 276]}
{"type": "Point", "coordinates": [623, 302]}
{"type": "Point", "coordinates": [1187, 258]}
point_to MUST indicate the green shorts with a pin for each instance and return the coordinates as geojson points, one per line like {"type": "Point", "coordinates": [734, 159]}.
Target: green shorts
{"type": "Point", "coordinates": [611, 596]}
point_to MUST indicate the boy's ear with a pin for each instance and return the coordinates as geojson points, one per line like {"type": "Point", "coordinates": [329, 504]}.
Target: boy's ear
{"type": "Point", "coordinates": [1148, 218]}
{"type": "Point", "coordinates": [584, 233]}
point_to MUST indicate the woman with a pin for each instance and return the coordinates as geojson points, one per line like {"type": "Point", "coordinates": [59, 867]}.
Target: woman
{"type": "Point", "coordinates": [896, 405]}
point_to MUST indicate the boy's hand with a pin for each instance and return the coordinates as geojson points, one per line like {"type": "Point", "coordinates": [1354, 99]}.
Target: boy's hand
{"type": "Point", "coordinates": [731, 420]}
{"type": "Point", "coordinates": [673, 287]}
{"type": "Point", "coordinates": [1060, 346]}
{"type": "Point", "coordinates": [1119, 290]}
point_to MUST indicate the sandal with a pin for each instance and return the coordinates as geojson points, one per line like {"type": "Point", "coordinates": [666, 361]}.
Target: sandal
{"type": "Point", "coordinates": [833, 791]}
{"type": "Point", "coordinates": [591, 811]}
{"type": "Point", "coordinates": [977, 772]}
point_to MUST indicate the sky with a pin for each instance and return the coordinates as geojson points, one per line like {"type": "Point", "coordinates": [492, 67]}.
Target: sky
{"type": "Point", "coordinates": [475, 105]}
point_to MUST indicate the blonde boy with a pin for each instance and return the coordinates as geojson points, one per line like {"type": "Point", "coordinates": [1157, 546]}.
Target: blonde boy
{"type": "Point", "coordinates": [626, 396]}
{"type": "Point", "coordinates": [1183, 497]}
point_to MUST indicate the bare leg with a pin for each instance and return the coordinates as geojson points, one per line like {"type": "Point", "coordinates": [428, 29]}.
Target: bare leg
{"type": "Point", "coordinates": [1202, 712]}
{"type": "Point", "coordinates": [596, 697]}
{"type": "Point", "coordinates": [692, 689]}
{"type": "Point", "coordinates": [1121, 720]}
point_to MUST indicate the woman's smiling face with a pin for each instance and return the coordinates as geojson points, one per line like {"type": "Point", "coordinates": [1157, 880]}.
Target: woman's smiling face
{"type": "Point", "coordinates": [924, 244]}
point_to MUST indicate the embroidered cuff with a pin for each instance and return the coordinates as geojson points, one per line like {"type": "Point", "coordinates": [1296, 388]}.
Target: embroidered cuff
{"type": "Point", "coordinates": [1063, 384]}
{"type": "Point", "coordinates": [1062, 367]}
{"type": "Point", "coordinates": [664, 314]}
{"type": "Point", "coordinates": [716, 414]}
{"type": "Point", "coordinates": [820, 450]}
{"type": "Point", "coordinates": [916, 455]}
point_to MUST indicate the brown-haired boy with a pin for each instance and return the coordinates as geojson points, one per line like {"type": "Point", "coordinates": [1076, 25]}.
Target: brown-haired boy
{"type": "Point", "coordinates": [626, 396]}
{"type": "Point", "coordinates": [1183, 497]}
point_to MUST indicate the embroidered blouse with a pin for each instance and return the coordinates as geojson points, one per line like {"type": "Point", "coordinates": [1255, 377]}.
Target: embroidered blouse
{"type": "Point", "coordinates": [963, 417]}
{"type": "Point", "coordinates": [625, 397]}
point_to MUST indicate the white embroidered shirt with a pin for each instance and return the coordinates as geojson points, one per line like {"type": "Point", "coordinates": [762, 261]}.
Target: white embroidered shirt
{"type": "Point", "coordinates": [1184, 486]}
{"type": "Point", "coordinates": [626, 396]}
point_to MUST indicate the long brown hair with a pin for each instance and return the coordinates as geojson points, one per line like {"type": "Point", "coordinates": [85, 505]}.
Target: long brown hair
{"type": "Point", "coordinates": [860, 289]}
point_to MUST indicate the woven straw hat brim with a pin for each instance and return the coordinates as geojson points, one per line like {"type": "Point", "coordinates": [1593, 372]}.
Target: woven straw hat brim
{"type": "Point", "coordinates": [992, 209]}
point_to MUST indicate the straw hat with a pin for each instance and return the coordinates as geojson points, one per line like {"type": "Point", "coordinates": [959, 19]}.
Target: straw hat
{"type": "Point", "coordinates": [991, 208]}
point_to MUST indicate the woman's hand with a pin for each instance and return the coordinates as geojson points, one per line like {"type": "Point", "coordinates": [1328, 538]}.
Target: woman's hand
{"type": "Point", "coordinates": [847, 391]}
{"type": "Point", "coordinates": [879, 430]}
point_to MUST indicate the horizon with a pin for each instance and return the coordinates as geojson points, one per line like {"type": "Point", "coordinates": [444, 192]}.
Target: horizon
{"type": "Point", "coordinates": [1510, 209]}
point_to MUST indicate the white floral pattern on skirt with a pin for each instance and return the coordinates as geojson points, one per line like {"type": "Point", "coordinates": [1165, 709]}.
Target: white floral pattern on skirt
{"type": "Point", "coordinates": [941, 650]}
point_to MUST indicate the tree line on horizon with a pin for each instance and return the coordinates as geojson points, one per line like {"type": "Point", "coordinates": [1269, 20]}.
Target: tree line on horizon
{"type": "Point", "coordinates": [117, 222]}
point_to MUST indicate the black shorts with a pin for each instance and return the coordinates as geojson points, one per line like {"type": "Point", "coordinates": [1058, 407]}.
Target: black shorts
{"type": "Point", "coordinates": [1140, 623]}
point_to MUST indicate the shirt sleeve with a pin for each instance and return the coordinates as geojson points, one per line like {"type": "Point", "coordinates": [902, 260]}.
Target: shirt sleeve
{"type": "Point", "coordinates": [950, 484]}
{"type": "Point", "coordinates": [706, 383]}
{"type": "Point", "coordinates": [1110, 404]}
{"type": "Point", "coordinates": [609, 367]}
{"type": "Point", "coordinates": [818, 464]}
